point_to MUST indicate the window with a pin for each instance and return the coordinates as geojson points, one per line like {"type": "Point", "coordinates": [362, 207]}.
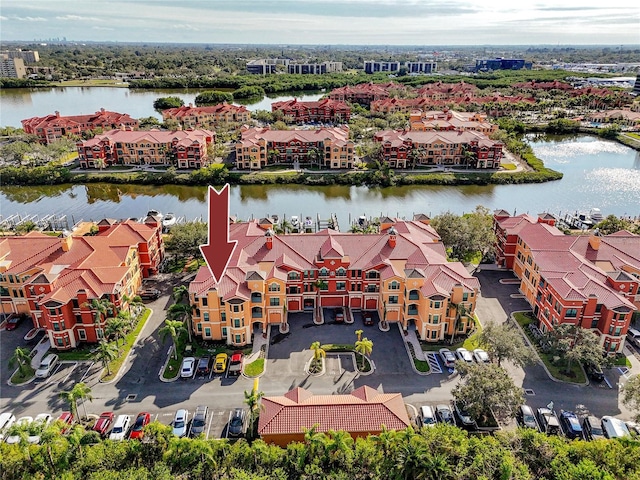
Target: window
{"type": "Point", "coordinates": [414, 295]}
{"type": "Point", "coordinates": [204, 301]}
{"type": "Point", "coordinates": [293, 276]}
{"type": "Point", "coordinates": [341, 272]}
{"type": "Point", "coordinates": [341, 286]}
{"type": "Point", "coordinates": [199, 327]}
{"type": "Point", "coordinates": [75, 303]}
{"type": "Point", "coordinates": [435, 319]}
{"type": "Point", "coordinates": [223, 317]}
{"type": "Point", "coordinates": [465, 296]}
{"type": "Point", "coordinates": [207, 331]}
{"type": "Point", "coordinates": [205, 317]}
{"type": "Point", "coordinates": [324, 272]}
{"type": "Point", "coordinates": [435, 304]}
{"type": "Point", "coordinates": [237, 323]}
{"type": "Point", "coordinates": [256, 297]}
{"type": "Point", "coordinates": [59, 342]}
{"type": "Point", "coordinates": [100, 333]}
{"type": "Point", "coordinates": [224, 332]}
{"type": "Point", "coordinates": [274, 302]}
{"type": "Point", "coordinates": [434, 334]}
{"type": "Point", "coordinates": [394, 285]}
{"type": "Point", "coordinates": [238, 338]}
{"type": "Point", "coordinates": [56, 327]}
{"type": "Point", "coordinates": [571, 313]}
{"type": "Point", "coordinates": [372, 275]}
{"type": "Point", "coordinates": [82, 334]}
{"type": "Point", "coordinates": [393, 299]}
{"type": "Point", "coordinates": [594, 323]}
{"type": "Point", "coordinates": [413, 309]}
{"type": "Point", "coordinates": [274, 287]}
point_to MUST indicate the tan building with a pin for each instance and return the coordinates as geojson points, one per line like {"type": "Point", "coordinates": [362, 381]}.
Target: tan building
{"type": "Point", "coordinates": [207, 117]}
{"type": "Point", "coordinates": [450, 120]}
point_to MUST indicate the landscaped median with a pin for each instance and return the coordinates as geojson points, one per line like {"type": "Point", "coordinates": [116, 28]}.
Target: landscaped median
{"type": "Point", "coordinates": [129, 340]}
{"type": "Point", "coordinates": [362, 363]}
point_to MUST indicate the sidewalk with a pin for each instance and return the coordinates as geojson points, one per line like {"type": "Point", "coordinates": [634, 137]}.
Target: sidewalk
{"type": "Point", "coordinates": [412, 339]}
{"type": "Point", "coordinates": [41, 350]}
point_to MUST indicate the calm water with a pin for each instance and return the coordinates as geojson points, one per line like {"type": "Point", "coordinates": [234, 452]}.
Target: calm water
{"type": "Point", "coordinates": [598, 173]}
{"type": "Point", "coordinates": [21, 103]}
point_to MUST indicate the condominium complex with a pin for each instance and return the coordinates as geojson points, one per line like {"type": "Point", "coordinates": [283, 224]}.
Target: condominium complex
{"type": "Point", "coordinates": [365, 93]}
{"type": "Point", "coordinates": [323, 111]}
{"type": "Point", "coordinates": [181, 149]}
{"type": "Point", "coordinates": [592, 281]}
{"type": "Point", "coordinates": [402, 273]}
{"type": "Point", "coordinates": [12, 67]}
{"type": "Point", "coordinates": [264, 66]}
{"type": "Point", "coordinates": [324, 147]}
{"type": "Point", "coordinates": [443, 120]}
{"type": "Point", "coordinates": [373, 66]}
{"type": "Point", "coordinates": [314, 68]}
{"type": "Point", "coordinates": [207, 117]}
{"type": "Point", "coordinates": [28, 56]}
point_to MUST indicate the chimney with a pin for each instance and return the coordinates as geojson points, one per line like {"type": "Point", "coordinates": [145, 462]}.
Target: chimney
{"type": "Point", "coordinates": [392, 237]}
{"type": "Point", "coordinates": [595, 239]}
{"type": "Point", "coordinates": [57, 113]}
{"type": "Point", "coordinates": [66, 243]}
{"type": "Point", "coordinates": [269, 239]}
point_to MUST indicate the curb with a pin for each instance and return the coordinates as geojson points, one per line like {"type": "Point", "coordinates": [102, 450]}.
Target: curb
{"type": "Point", "coordinates": [535, 350]}
{"type": "Point", "coordinates": [355, 363]}
{"type": "Point", "coordinates": [126, 360]}
{"type": "Point", "coordinates": [406, 347]}
{"type": "Point", "coordinates": [164, 367]}
{"type": "Point", "coordinates": [27, 382]}
{"type": "Point", "coordinates": [320, 373]}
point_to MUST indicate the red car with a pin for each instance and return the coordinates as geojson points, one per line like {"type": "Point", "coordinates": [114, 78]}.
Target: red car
{"type": "Point", "coordinates": [67, 419]}
{"type": "Point", "coordinates": [138, 427]}
{"type": "Point", "coordinates": [339, 315]}
{"type": "Point", "coordinates": [103, 423]}
{"type": "Point", "coordinates": [367, 318]}
{"type": "Point", "coordinates": [13, 321]}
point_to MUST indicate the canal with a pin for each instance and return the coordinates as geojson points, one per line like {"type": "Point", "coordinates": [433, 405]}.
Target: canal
{"type": "Point", "coordinates": [597, 173]}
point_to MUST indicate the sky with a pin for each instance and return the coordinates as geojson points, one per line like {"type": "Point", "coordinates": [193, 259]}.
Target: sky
{"type": "Point", "coordinates": [352, 22]}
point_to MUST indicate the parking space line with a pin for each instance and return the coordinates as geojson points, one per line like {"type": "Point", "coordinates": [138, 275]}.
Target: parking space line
{"type": "Point", "coordinates": [209, 427]}
{"type": "Point", "coordinates": [50, 378]}
{"type": "Point", "coordinates": [226, 433]}
{"type": "Point", "coordinates": [87, 371]}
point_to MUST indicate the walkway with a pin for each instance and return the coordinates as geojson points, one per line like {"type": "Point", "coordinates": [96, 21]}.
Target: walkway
{"type": "Point", "coordinates": [40, 350]}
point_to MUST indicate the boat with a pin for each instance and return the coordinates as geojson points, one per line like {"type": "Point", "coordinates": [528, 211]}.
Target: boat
{"type": "Point", "coordinates": [308, 225]}
{"type": "Point", "coordinates": [169, 220]}
{"type": "Point", "coordinates": [295, 222]}
{"type": "Point", "coordinates": [155, 214]}
{"type": "Point", "coordinates": [596, 215]}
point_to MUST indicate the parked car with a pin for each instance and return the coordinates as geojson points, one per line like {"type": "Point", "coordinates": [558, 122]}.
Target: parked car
{"type": "Point", "coordinates": [13, 321]}
{"type": "Point", "coordinates": [204, 365]}
{"type": "Point", "coordinates": [67, 420]}
{"type": "Point", "coordinates": [103, 423]}
{"type": "Point", "coordinates": [527, 418]}
{"type": "Point", "coordinates": [149, 294]}
{"type": "Point", "coordinates": [199, 421]}
{"type": "Point", "coordinates": [614, 427]}
{"type": "Point", "coordinates": [120, 428]}
{"type": "Point", "coordinates": [236, 424]}
{"type": "Point", "coordinates": [594, 372]}
{"type": "Point", "coordinates": [480, 356]}
{"type": "Point", "coordinates": [464, 418]}
{"type": "Point", "coordinates": [339, 315]}
{"type": "Point", "coordinates": [16, 428]}
{"type": "Point", "coordinates": [221, 363]}
{"type": "Point", "coordinates": [142, 420]}
{"type": "Point", "coordinates": [444, 413]}
{"type": "Point", "coordinates": [47, 366]}
{"type": "Point", "coordinates": [180, 422]}
{"type": "Point", "coordinates": [427, 416]}
{"type": "Point", "coordinates": [571, 425]}
{"type": "Point", "coordinates": [548, 421]}
{"type": "Point", "coordinates": [448, 358]}
{"type": "Point", "coordinates": [6, 420]}
{"type": "Point", "coordinates": [40, 422]}
{"type": "Point", "coordinates": [464, 355]}
{"type": "Point", "coordinates": [634, 428]}
{"type": "Point", "coordinates": [633, 336]}
{"type": "Point", "coordinates": [188, 367]}
{"type": "Point", "coordinates": [592, 428]}
{"type": "Point", "coordinates": [367, 318]}
{"type": "Point", "coordinates": [235, 363]}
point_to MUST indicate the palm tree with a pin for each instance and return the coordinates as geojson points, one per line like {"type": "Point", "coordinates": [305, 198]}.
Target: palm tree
{"type": "Point", "coordinates": [252, 400]}
{"type": "Point", "coordinates": [102, 307]}
{"type": "Point", "coordinates": [364, 347]}
{"type": "Point", "coordinates": [317, 441]}
{"type": "Point", "coordinates": [182, 312]}
{"type": "Point", "coordinates": [106, 353]}
{"type": "Point", "coordinates": [461, 311]}
{"type": "Point", "coordinates": [22, 357]}
{"type": "Point", "coordinates": [359, 334]}
{"type": "Point", "coordinates": [117, 327]}
{"type": "Point", "coordinates": [313, 155]}
{"type": "Point", "coordinates": [340, 446]}
{"type": "Point", "coordinates": [80, 391]}
{"type": "Point", "coordinates": [180, 293]}
{"type": "Point", "coordinates": [318, 351]}
{"type": "Point", "coordinates": [172, 328]}
{"type": "Point", "coordinates": [321, 284]}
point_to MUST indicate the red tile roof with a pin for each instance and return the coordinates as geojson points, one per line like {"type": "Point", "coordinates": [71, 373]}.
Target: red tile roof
{"type": "Point", "coordinates": [398, 138]}
{"type": "Point", "coordinates": [181, 137]}
{"type": "Point", "coordinates": [364, 410]}
{"type": "Point", "coordinates": [338, 135]}
{"type": "Point", "coordinates": [189, 110]}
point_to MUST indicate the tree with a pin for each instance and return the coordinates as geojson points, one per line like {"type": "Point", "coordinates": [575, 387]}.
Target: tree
{"type": "Point", "coordinates": [573, 343]}
{"type": "Point", "coordinates": [318, 351]}
{"type": "Point", "coordinates": [487, 386]}
{"type": "Point", "coordinates": [364, 347]}
{"type": "Point", "coordinates": [173, 329]}
{"type": "Point", "coordinates": [164, 103]}
{"type": "Point", "coordinates": [461, 311]}
{"type": "Point", "coordinates": [213, 97]}
{"type": "Point", "coordinates": [613, 224]}
{"type": "Point", "coordinates": [80, 391]}
{"type": "Point", "coordinates": [182, 312]}
{"type": "Point", "coordinates": [105, 353]}
{"type": "Point", "coordinates": [185, 239]}
{"type": "Point", "coordinates": [467, 234]}
{"type": "Point", "coordinates": [504, 342]}
{"type": "Point", "coordinates": [631, 395]}
{"type": "Point", "coordinates": [22, 357]}
{"type": "Point", "coordinates": [359, 334]}
{"type": "Point", "coordinates": [252, 400]}
{"type": "Point", "coordinates": [117, 327]}
{"type": "Point", "coordinates": [101, 308]}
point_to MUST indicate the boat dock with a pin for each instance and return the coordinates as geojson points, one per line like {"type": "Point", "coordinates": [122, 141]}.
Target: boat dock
{"type": "Point", "coordinates": [51, 222]}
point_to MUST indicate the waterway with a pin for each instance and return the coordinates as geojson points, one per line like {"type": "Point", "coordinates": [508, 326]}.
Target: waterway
{"type": "Point", "coordinates": [20, 103]}
{"type": "Point", "coordinates": [597, 173]}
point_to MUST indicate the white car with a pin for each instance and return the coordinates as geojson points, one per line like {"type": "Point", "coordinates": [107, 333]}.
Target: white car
{"type": "Point", "coordinates": [480, 356]}
{"type": "Point", "coordinates": [427, 416]}
{"type": "Point", "coordinates": [47, 366]}
{"type": "Point", "coordinates": [180, 423]}
{"type": "Point", "coordinates": [22, 422]}
{"type": "Point", "coordinates": [464, 355]}
{"type": "Point", "coordinates": [41, 422]}
{"type": "Point", "coordinates": [120, 428]}
{"type": "Point", "coordinates": [188, 367]}
{"type": "Point", "coordinates": [448, 358]}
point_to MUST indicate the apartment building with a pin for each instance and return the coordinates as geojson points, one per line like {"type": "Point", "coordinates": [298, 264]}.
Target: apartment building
{"type": "Point", "coordinates": [445, 91]}
{"type": "Point", "coordinates": [443, 120]}
{"type": "Point", "coordinates": [373, 66]}
{"type": "Point", "coordinates": [210, 117]}
{"type": "Point", "coordinates": [468, 149]}
{"type": "Point", "coordinates": [28, 56]}
{"type": "Point", "coordinates": [402, 273]}
{"type": "Point", "coordinates": [592, 281]}
{"type": "Point", "coordinates": [324, 147]}
{"type": "Point", "coordinates": [323, 111]}
{"type": "Point", "coordinates": [421, 67]}
{"type": "Point", "coordinates": [53, 127]}
{"type": "Point", "coordinates": [12, 67]}
{"type": "Point", "coordinates": [266, 66]}
{"type": "Point", "coordinates": [490, 64]}
{"type": "Point", "coordinates": [365, 93]}
{"type": "Point", "coordinates": [314, 68]}
{"type": "Point", "coordinates": [56, 280]}
{"type": "Point", "coordinates": [180, 148]}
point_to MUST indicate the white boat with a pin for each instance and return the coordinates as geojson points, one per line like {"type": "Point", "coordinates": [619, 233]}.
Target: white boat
{"type": "Point", "coordinates": [596, 215]}
{"type": "Point", "coordinates": [169, 220]}
{"type": "Point", "coordinates": [295, 221]}
{"type": "Point", "coordinates": [155, 214]}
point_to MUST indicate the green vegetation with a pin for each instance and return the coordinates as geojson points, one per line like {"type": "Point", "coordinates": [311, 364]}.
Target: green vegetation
{"type": "Point", "coordinates": [442, 452]}
{"type": "Point", "coordinates": [421, 365]}
{"type": "Point", "coordinates": [21, 376]}
{"type": "Point", "coordinates": [163, 103]}
{"type": "Point", "coordinates": [213, 97]}
{"type": "Point", "coordinates": [508, 166]}
{"type": "Point", "coordinates": [249, 92]}
{"type": "Point", "coordinates": [254, 368]}
{"type": "Point", "coordinates": [129, 339]}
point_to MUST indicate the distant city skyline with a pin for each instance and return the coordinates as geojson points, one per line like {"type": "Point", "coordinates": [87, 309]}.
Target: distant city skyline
{"type": "Point", "coordinates": [352, 22]}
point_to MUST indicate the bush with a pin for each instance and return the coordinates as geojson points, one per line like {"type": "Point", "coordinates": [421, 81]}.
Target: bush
{"type": "Point", "coordinates": [163, 103]}
{"type": "Point", "coordinates": [249, 92]}
{"type": "Point", "coordinates": [213, 97]}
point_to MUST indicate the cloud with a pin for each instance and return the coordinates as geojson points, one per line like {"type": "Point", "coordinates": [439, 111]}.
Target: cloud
{"type": "Point", "coordinates": [3, 18]}
{"type": "Point", "coordinates": [184, 26]}
{"type": "Point", "coordinates": [30, 19]}
{"type": "Point", "coordinates": [97, 27]}
{"type": "Point", "coordinates": [76, 18]}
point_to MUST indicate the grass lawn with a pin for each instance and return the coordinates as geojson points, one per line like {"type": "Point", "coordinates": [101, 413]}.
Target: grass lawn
{"type": "Point", "coordinates": [508, 166]}
{"type": "Point", "coordinates": [115, 365]}
{"type": "Point", "coordinates": [622, 361]}
{"type": "Point", "coordinates": [20, 378]}
{"type": "Point", "coordinates": [634, 135]}
{"type": "Point", "coordinates": [79, 354]}
{"type": "Point", "coordinates": [254, 368]}
{"type": "Point", "coordinates": [421, 365]}
{"type": "Point", "coordinates": [173, 367]}
{"type": "Point", "coordinates": [93, 83]}
{"type": "Point", "coordinates": [472, 342]}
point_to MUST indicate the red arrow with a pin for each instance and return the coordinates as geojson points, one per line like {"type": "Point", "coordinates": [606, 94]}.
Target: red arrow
{"type": "Point", "coordinates": [218, 251]}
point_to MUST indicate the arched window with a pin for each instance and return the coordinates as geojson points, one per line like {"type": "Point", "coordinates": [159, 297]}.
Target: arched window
{"type": "Point", "coordinates": [274, 287]}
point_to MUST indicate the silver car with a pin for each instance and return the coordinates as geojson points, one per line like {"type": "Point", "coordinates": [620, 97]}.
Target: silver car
{"type": "Point", "coordinates": [180, 422]}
